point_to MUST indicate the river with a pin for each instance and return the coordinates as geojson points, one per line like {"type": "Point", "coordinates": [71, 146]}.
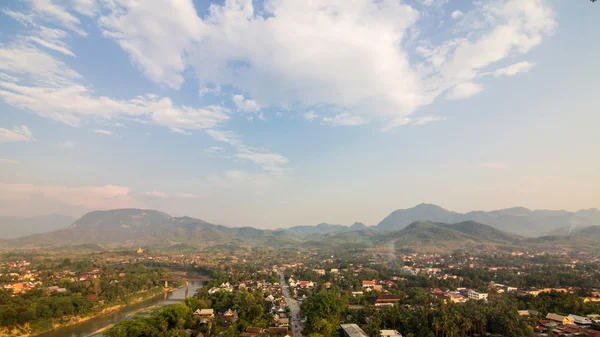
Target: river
{"type": "Point", "coordinates": [88, 328]}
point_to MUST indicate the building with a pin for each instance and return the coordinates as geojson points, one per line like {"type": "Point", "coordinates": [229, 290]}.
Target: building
{"type": "Point", "coordinates": [560, 319]}
{"type": "Point", "coordinates": [390, 333]}
{"type": "Point", "coordinates": [205, 314]}
{"type": "Point", "coordinates": [353, 330]}
{"type": "Point", "coordinates": [387, 300]}
{"type": "Point", "coordinates": [476, 296]}
{"type": "Point", "coordinates": [580, 320]}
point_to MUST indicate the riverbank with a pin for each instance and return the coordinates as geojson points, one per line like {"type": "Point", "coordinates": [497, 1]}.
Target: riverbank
{"type": "Point", "coordinates": [26, 331]}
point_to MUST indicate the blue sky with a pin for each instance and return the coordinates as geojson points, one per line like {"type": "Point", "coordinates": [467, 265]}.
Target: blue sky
{"type": "Point", "coordinates": [282, 112]}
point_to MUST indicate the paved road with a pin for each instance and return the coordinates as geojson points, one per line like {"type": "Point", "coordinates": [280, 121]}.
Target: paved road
{"type": "Point", "coordinates": [295, 324]}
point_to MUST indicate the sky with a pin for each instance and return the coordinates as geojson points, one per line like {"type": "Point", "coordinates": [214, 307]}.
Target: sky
{"type": "Point", "coordinates": [276, 113]}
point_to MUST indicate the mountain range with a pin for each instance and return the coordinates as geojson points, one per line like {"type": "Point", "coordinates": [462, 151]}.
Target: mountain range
{"type": "Point", "coordinates": [423, 227]}
{"type": "Point", "coordinates": [518, 220]}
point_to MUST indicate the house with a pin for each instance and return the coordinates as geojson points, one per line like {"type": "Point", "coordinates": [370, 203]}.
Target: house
{"type": "Point", "coordinates": [205, 314]}
{"type": "Point", "coordinates": [278, 332]}
{"type": "Point", "coordinates": [580, 320]}
{"type": "Point", "coordinates": [528, 313]}
{"type": "Point", "coordinates": [283, 322]}
{"type": "Point", "coordinates": [230, 315]}
{"type": "Point", "coordinates": [306, 284]}
{"type": "Point", "coordinates": [385, 300]}
{"type": "Point", "coordinates": [560, 319]}
{"type": "Point", "coordinates": [476, 296]}
{"type": "Point", "coordinates": [390, 333]}
{"type": "Point", "coordinates": [352, 330]}
{"type": "Point", "coordinates": [368, 284]}
{"type": "Point", "coordinates": [456, 297]}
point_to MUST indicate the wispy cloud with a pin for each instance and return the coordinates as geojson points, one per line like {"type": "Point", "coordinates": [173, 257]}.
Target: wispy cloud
{"type": "Point", "coordinates": [493, 165]}
{"type": "Point", "coordinates": [103, 132]}
{"type": "Point", "coordinates": [273, 163]}
{"type": "Point", "coordinates": [89, 197]}
{"type": "Point", "coordinates": [514, 69]}
{"type": "Point", "coordinates": [345, 119]}
{"type": "Point", "coordinates": [8, 161]}
{"type": "Point", "coordinates": [67, 144]}
{"type": "Point", "coordinates": [310, 116]}
{"type": "Point", "coordinates": [161, 195]}
{"type": "Point", "coordinates": [17, 134]}
{"type": "Point", "coordinates": [464, 90]}
{"type": "Point", "coordinates": [244, 104]}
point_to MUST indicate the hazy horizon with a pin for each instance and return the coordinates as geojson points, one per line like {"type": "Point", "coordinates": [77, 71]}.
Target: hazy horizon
{"type": "Point", "coordinates": [281, 113]}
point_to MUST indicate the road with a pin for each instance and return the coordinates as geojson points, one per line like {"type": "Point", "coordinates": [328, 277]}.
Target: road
{"type": "Point", "coordinates": [295, 324]}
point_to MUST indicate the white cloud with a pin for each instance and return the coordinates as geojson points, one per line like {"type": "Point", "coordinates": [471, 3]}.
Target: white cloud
{"type": "Point", "coordinates": [30, 62]}
{"type": "Point", "coordinates": [8, 161]}
{"type": "Point", "coordinates": [259, 51]}
{"type": "Point", "coordinates": [310, 116]}
{"type": "Point", "coordinates": [156, 35]}
{"type": "Point", "coordinates": [514, 69]}
{"type": "Point", "coordinates": [413, 121]}
{"type": "Point", "coordinates": [67, 144]}
{"type": "Point", "coordinates": [56, 94]}
{"type": "Point", "coordinates": [224, 136]}
{"type": "Point", "coordinates": [119, 125]}
{"type": "Point", "coordinates": [345, 119]}
{"type": "Point", "coordinates": [103, 132]}
{"type": "Point", "coordinates": [156, 194]}
{"type": "Point", "coordinates": [161, 195]}
{"type": "Point", "coordinates": [85, 7]}
{"type": "Point", "coordinates": [47, 10]}
{"type": "Point", "coordinates": [457, 14]}
{"type": "Point", "coordinates": [216, 90]}
{"type": "Point", "coordinates": [427, 119]}
{"type": "Point", "coordinates": [236, 179]}
{"type": "Point", "coordinates": [17, 134]}
{"type": "Point", "coordinates": [278, 114]}
{"type": "Point", "coordinates": [273, 163]}
{"type": "Point", "coordinates": [493, 165]}
{"type": "Point", "coordinates": [185, 196]}
{"type": "Point", "coordinates": [464, 90]}
{"type": "Point", "coordinates": [52, 39]}
{"type": "Point", "coordinates": [245, 105]}
{"type": "Point", "coordinates": [89, 197]}
{"type": "Point", "coordinates": [213, 149]}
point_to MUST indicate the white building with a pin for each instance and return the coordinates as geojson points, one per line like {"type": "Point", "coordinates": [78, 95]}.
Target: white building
{"type": "Point", "coordinates": [475, 295]}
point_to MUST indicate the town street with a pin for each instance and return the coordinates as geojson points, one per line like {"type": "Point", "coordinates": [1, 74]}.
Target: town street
{"type": "Point", "coordinates": [295, 324]}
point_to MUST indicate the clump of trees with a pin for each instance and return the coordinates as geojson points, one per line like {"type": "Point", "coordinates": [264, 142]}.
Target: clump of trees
{"type": "Point", "coordinates": [40, 308]}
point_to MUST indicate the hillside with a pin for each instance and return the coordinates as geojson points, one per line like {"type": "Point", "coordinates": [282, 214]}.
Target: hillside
{"type": "Point", "coordinates": [436, 236]}
{"type": "Point", "coordinates": [401, 218]}
{"type": "Point", "coordinates": [518, 220]}
{"type": "Point", "coordinates": [133, 227]}
{"type": "Point", "coordinates": [14, 227]}
{"type": "Point", "coordinates": [321, 229]}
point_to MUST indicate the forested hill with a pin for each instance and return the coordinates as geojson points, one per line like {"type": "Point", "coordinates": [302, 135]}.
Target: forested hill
{"type": "Point", "coordinates": [137, 227]}
{"type": "Point", "coordinates": [518, 220]}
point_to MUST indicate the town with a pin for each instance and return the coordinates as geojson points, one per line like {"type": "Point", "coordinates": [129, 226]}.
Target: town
{"type": "Point", "coordinates": [310, 293]}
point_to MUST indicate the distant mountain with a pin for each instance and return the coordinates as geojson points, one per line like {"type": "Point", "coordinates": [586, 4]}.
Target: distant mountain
{"type": "Point", "coordinates": [437, 236]}
{"type": "Point", "coordinates": [518, 220]}
{"type": "Point", "coordinates": [14, 227]}
{"type": "Point", "coordinates": [591, 214]}
{"type": "Point", "coordinates": [132, 227]}
{"type": "Point", "coordinates": [358, 226]}
{"type": "Point", "coordinates": [323, 228]}
{"type": "Point", "coordinates": [403, 217]}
